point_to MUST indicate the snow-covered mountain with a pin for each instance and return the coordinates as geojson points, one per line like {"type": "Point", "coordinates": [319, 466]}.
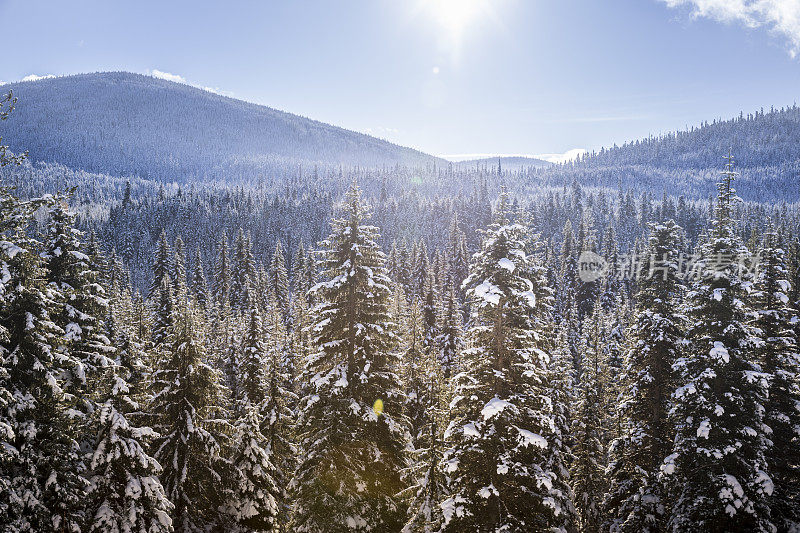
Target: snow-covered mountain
{"type": "Point", "coordinates": [129, 124]}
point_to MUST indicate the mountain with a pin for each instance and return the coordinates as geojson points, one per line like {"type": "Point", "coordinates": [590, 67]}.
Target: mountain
{"type": "Point", "coordinates": [765, 147]}
{"type": "Point", "coordinates": [129, 124]}
{"type": "Point", "coordinates": [506, 162]}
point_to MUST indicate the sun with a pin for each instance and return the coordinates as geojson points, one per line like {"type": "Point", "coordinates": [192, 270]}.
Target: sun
{"type": "Point", "coordinates": [454, 16]}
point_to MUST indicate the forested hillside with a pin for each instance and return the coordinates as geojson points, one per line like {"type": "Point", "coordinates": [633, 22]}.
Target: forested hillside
{"type": "Point", "coordinates": [766, 144]}
{"type": "Point", "coordinates": [405, 349]}
{"type": "Point", "coordinates": [132, 125]}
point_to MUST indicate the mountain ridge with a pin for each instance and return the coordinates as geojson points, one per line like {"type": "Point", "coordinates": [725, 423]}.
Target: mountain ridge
{"type": "Point", "coordinates": [133, 124]}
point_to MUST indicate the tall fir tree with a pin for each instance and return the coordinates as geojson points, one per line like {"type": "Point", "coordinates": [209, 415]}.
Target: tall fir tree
{"type": "Point", "coordinates": [500, 457]}
{"type": "Point", "coordinates": [222, 274]}
{"type": "Point", "coordinates": [721, 482]}
{"type": "Point", "coordinates": [42, 475]}
{"type": "Point", "coordinates": [590, 426]}
{"type": "Point", "coordinates": [352, 432]}
{"type": "Point", "coordinates": [187, 393]}
{"type": "Point", "coordinates": [162, 265]}
{"type": "Point", "coordinates": [777, 352]}
{"type": "Point", "coordinates": [279, 280]}
{"type": "Point", "coordinates": [637, 500]}
{"type": "Point", "coordinates": [125, 493]}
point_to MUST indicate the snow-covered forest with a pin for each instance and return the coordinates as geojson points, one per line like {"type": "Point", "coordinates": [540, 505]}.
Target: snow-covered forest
{"type": "Point", "coordinates": [402, 349]}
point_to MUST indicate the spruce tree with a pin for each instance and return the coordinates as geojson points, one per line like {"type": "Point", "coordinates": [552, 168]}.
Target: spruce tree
{"type": "Point", "coordinates": [189, 446]}
{"type": "Point", "coordinates": [721, 481]}
{"type": "Point", "coordinates": [82, 302]}
{"type": "Point", "coordinates": [352, 431]}
{"type": "Point", "coordinates": [637, 500]}
{"type": "Point", "coordinates": [279, 280]}
{"type": "Point", "coordinates": [42, 475]}
{"type": "Point", "coordinates": [252, 502]}
{"type": "Point", "coordinates": [162, 265]}
{"type": "Point", "coordinates": [777, 352]}
{"type": "Point", "coordinates": [590, 426]}
{"type": "Point", "coordinates": [164, 315]}
{"type": "Point", "coordinates": [125, 492]}
{"type": "Point", "coordinates": [199, 283]}
{"type": "Point", "coordinates": [500, 457]}
{"type": "Point", "coordinates": [222, 274]}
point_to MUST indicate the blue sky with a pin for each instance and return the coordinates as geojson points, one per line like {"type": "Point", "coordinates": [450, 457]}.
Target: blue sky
{"type": "Point", "coordinates": [444, 76]}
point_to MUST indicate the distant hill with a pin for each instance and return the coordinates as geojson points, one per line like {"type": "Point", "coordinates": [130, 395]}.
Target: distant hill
{"type": "Point", "coordinates": [129, 124]}
{"type": "Point", "coordinates": [506, 163]}
{"type": "Point", "coordinates": [765, 147]}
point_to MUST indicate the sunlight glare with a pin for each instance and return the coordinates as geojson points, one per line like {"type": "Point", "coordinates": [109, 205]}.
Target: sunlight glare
{"type": "Point", "coordinates": [455, 15]}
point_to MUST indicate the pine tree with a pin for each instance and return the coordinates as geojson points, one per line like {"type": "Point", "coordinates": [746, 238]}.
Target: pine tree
{"type": "Point", "coordinates": [416, 372]}
{"type": "Point", "coordinates": [164, 315]}
{"type": "Point", "coordinates": [253, 504]}
{"type": "Point", "coordinates": [278, 408]}
{"type": "Point", "coordinates": [503, 476]}
{"type": "Point", "coordinates": [222, 274]}
{"type": "Point", "coordinates": [590, 426]}
{"type": "Point", "coordinates": [718, 456]}
{"type": "Point", "coordinates": [162, 265]}
{"type": "Point", "coordinates": [178, 273]}
{"type": "Point", "coordinates": [189, 446]}
{"type": "Point", "coordinates": [243, 271]}
{"type": "Point", "coordinates": [279, 280]}
{"type": "Point", "coordinates": [199, 283]}
{"type": "Point", "coordinates": [82, 302]}
{"type": "Point", "coordinates": [352, 432]}
{"type": "Point", "coordinates": [450, 338]}
{"type": "Point", "coordinates": [427, 482]}
{"type": "Point", "coordinates": [637, 500]}
{"type": "Point", "coordinates": [125, 493]}
{"type": "Point", "coordinates": [42, 470]}
{"type": "Point", "coordinates": [777, 352]}
{"type": "Point", "coordinates": [568, 274]}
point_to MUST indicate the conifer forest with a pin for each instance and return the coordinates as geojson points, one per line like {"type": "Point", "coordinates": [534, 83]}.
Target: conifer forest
{"type": "Point", "coordinates": [194, 339]}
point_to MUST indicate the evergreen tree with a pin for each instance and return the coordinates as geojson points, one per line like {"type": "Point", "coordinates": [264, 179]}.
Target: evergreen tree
{"type": "Point", "coordinates": [42, 479]}
{"type": "Point", "coordinates": [450, 339]}
{"type": "Point", "coordinates": [279, 280]}
{"type": "Point", "coordinates": [125, 493]}
{"type": "Point", "coordinates": [222, 274]}
{"type": "Point", "coordinates": [636, 500]}
{"type": "Point", "coordinates": [590, 426]}
{"type": "Point", "coordinates": [162, 265]}
{"type": "Point", "coordinates": [777, 352]}
{"type": "Point", "coordinates": [82, 302]}
{"type": "Point", "coordinates": [352, 432]}
{"type": "Point", "coordinates": [199, 283]}
{"type": "Point", "coordinates": [718, 461]}
{"type": "Point", "coordinates": [503, 474]}
{"type": "Point", "coordinates": [278, 415]}
{"type": "Point", "coordinates": [178, 274]}
{"type": "Point", "coordinates": [186, 393]}
{"type": "Point", "coordinates": [253, 504]}
{"type": "Point", "coordinates": [164, 316]}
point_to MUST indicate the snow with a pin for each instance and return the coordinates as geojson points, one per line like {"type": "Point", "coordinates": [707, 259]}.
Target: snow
{"type": "Point", "coordinates": [487, 492]}
{"type": "Point", "coordinates": [529, 437]}
{"type": "Point", "coordinates": [719, 352]}
{"type": "Point", "coordinates": [506, 264]}
{"type": "Point", "coordinates": [493, 407]}
{"type": "Point", "coordinates": [488, 292]}
{"type": "Point", "coordinates": [703, 430]}
{"type": "Point", "coordinates": [471, 431]}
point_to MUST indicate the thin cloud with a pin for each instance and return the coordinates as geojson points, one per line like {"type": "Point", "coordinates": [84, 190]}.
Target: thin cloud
{"type": "Point", "coordinates": [177, 78]}
{"type": "Point", "coordinates": [34, 77]}
{"type": "Point", "coordinates": [780, 17]}
{"type": "Point", "coordinates": [569, 155]}
{"type": "Point", "coordinates": [168, 76]}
